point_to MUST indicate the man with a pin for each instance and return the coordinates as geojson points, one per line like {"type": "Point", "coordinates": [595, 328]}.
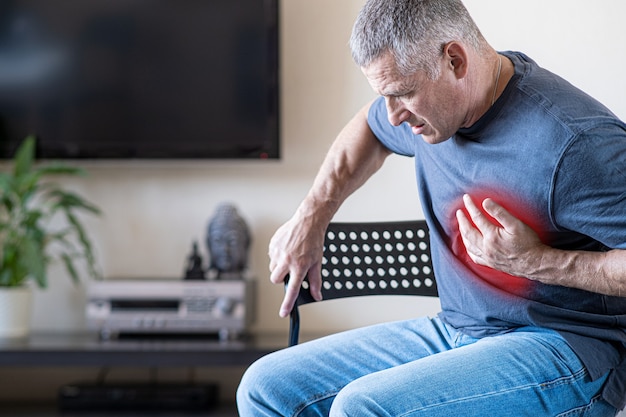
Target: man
{"type": "Point", "coordinates": [522, 179]}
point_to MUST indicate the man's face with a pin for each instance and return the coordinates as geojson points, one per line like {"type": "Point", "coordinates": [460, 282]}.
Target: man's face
{"type": "Point", "coordinates": [430, 107]}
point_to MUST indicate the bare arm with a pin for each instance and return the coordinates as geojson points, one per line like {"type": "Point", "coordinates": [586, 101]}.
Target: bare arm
{"type": "Point", "coordinates": [296, 248]}
{"type": "Point", "coordinates": [514, 248]}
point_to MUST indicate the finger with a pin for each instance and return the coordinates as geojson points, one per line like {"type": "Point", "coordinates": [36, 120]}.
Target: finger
{"type": "Point", "coordinates": [481, 221]}
{"type": "Point", "coordinates": [315, 282]}
{"type": "Point", "coordinates": [464, 223]}
{"type": "Point", "coordinates": [469, 236]}
{"type": "Point", "coordinates": [501, 215]}
{"type": "Point", "coordinates": [466, 228]}
{"type": "Point", "coordinates": [278, 275]}
{"type": "Point", "coordinates": [291, 294]}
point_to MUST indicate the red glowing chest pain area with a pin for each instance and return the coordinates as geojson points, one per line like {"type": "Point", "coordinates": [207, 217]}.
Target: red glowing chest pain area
{"type": "Point", "coordinates": [490, 276]}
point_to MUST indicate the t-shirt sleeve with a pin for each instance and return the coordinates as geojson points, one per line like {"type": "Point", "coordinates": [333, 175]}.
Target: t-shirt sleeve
{"type": "Point", "coordinates": [398, 139]}
{"type": "Point", "coordinates": [590, 186]}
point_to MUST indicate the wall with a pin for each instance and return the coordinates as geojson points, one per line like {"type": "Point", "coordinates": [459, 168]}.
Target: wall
{"type": "Point", "coordinates": [154, 210]}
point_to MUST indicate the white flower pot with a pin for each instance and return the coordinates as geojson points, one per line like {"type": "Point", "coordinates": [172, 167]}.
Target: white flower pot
{"type": "Point", "coordinates": [15, 311]}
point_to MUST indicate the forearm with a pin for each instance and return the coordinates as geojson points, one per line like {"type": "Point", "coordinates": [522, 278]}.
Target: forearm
{"type": "Point", "coordinates": [296, 247]}
{"type": "Point", "coordinates": [513, 247]}
{"type": "Point", "coordinates": [599, 272]}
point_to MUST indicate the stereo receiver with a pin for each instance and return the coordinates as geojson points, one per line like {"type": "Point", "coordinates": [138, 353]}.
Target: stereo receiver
{"type": "Point", "coordinates": [157, 306]}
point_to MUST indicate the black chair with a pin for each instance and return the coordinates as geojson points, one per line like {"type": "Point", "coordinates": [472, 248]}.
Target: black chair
{"type": "Point", "coordinates": [383, 258]}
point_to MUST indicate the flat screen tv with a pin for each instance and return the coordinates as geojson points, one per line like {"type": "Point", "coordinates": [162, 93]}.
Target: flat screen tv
{"type": "Point", "coordinates": [147, 79]}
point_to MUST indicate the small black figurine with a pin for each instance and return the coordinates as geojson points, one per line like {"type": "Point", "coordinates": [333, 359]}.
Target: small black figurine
{"type": "Point", "coordinates": [194, 265]}
{"type": "Point", "coordinates": [228, 241]}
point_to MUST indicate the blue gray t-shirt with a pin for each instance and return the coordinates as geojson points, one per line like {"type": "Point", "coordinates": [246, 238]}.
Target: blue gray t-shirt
{"type": "Point", "coordinates": [555, 158]}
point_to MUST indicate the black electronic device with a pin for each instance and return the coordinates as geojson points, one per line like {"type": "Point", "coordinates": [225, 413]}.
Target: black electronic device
{"type": "Point", "coordinates": [138, 396]}
{"type": "Point", "coordinates": [148, 79]}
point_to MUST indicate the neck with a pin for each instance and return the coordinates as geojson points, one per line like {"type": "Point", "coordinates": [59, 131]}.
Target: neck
{"type": "Point", "coordinates": [495, 87]}
{"type": "Point", "coordinates": [492, 77]}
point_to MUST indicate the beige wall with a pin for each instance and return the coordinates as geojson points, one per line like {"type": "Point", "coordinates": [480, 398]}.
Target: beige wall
{"type": "Point", "coordinates": [153, 210]}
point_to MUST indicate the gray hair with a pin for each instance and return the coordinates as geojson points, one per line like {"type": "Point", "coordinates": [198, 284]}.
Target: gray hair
{"type": "Point", "coordinates": [413, 31]}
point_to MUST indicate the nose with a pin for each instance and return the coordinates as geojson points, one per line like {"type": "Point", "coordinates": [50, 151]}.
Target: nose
{"type": "Point", "coordinates": [396, 113]}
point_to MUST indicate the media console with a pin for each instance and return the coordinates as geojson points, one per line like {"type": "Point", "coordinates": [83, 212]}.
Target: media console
{"type": "Point", "coordinates": [88, 350]}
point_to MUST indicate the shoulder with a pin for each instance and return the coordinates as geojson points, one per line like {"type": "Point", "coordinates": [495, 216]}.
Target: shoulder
{"type": "Point", "coordinates": [556, 97]}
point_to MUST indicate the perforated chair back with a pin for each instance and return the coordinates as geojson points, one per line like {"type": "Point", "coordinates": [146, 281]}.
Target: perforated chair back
{"type": "Point", "coordinates": [383, 258]}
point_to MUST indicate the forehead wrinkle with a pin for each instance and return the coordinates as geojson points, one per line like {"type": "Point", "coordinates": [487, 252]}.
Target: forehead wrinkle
{"type": "Point", "coordinates": [386, 84]}
{"type": "Point", "coordinates": [387, 81]}
{"type": "Point", "coordinates": [382, 74]}
{"type": "Point", "coordinates": [397, 89]}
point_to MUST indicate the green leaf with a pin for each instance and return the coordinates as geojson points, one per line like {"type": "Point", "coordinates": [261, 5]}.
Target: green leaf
{"type": "Point", "coordinates": [5, 182]}
{"type": "Point", "coordinates": [27, 205]}
{"type": "Point", "coordinates": [69, 266]}
{"type": "Point", "coordinates": [67, 200]}
{"type": "Point", "coordinates": [26, 185]}
{"type": "Point", "coordinates": [86, 244]}
{"type": "Point", "coordinates": [7, 194]}
{"type": "Point", "coordinates": [33, 260]}
{"type": "Point", "coordinates": [5, 277]}
{"type": "Point", "coordinates": [24, 157]}
{"type": "Point", "coordinates": [56, 168]}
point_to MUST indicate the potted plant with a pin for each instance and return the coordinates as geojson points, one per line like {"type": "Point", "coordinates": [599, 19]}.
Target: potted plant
{"type": "Point", "coordinates": [38, 225]}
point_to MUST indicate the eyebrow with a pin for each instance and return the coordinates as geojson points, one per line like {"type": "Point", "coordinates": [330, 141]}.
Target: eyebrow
{"type": "Point", "coordinates": [397, 93]}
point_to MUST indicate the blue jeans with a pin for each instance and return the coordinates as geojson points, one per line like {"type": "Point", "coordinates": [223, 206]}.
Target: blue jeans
{"type": "Point", "coordinates": [423, 367]}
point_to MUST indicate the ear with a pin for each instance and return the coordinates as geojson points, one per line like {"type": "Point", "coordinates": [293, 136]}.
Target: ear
{"type": "Point", "coordinates": [456, 57]}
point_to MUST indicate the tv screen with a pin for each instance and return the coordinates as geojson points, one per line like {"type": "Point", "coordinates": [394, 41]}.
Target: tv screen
{"type": "Point", "coordinates": [119, 79]}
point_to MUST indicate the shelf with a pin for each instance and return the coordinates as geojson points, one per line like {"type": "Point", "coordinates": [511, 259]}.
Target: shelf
{"type": "Point", "coordinates": [87, 349]}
